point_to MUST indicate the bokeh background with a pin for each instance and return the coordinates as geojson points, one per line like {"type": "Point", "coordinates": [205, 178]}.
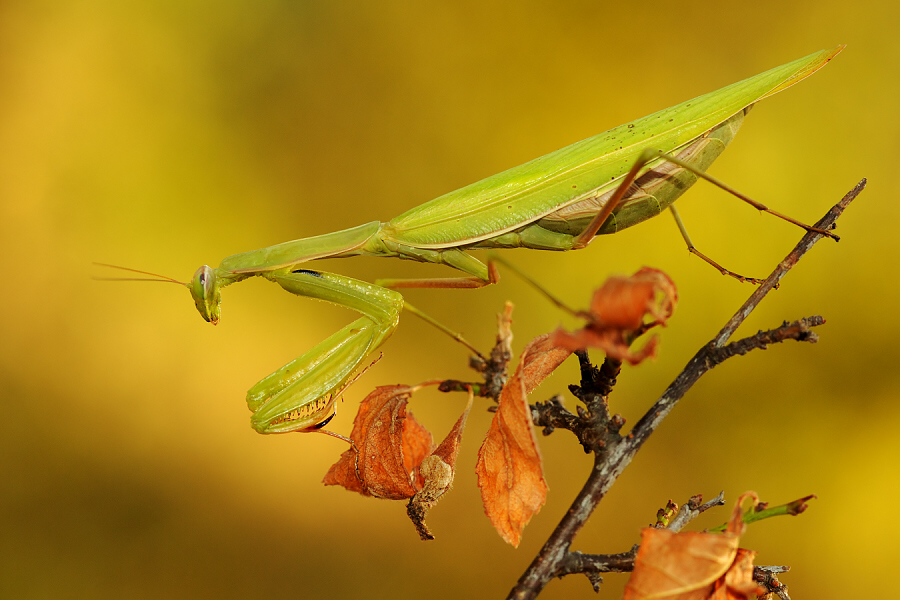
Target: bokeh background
{"type": "Point", "coordinates": [164, 135]}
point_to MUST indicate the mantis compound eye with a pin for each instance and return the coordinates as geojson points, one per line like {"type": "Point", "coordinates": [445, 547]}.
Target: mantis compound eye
{"type": "Point", "coordinates": [206, 294]}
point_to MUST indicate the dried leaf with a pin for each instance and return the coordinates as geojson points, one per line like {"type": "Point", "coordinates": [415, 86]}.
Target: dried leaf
{"type": "Point", "coordinates": [618, 311]}
{"type": "Point", "coordinates": [682, 566]}
{"type": "Point", "coordinates": [736, 524]}
{"type": "Point", "coordinates": [541, 357]}
{"type": "Point", "coordinates": [738, 583]}
{"type": "Point", "coordinates": [504, 331]}
{"type": "Point", "coordinates": [436, 474]}
{"type": "Point", "coordinates": [343, 473]}
{"type": "Point", "coordinates": [390, 445]}
{"type": "Point", "coordinates": [448, 449]}
{"type": "Point", "coordinates": [689, 565]}
{"type": "Point", "coordinates": [509, 468]}
{"type": "Point", "coordinates": [623, 302]}
{"type": "Point", "coordinates": [417, 444]}
{"type": "Point", "coordinates": [392, 455]}
{"type": "Point", "coordinates": [613, 343]}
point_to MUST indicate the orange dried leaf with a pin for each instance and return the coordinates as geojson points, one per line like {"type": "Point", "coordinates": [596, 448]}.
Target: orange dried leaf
{"type": "Point", "coordinates": [435, 474]}
{"type": "Point", "coordinates": [618, 310]}
{"type": "Point", "coordinates": [613, 343]}
{"type": "Point", "coordinates": [682, 566]}
{"type": "Point", "coordinates": [736, 523]}
{"type": "Point", "coordinates": [449, 448]}
{"type": "Point", "coordinates": [417, 444]}
{"type": "Point", "coordinates": [504, 329]}
{"type": "Point", "coordinates": [343, 473]}
{"type": "Point", "coordinates": [622, 302]}
{"type": "Point", "coordinates": [390, 444]}
{"type": "Point", "coordinates": [541, 357]}
{"type": "Point", "coordinates": [689, 565]}
{"type": "Point", "coordinates": [738, 583]}
{"type": "Point", "coordinates": [392, 456]}
{"type": "Point", "coordinates": [509, 468]}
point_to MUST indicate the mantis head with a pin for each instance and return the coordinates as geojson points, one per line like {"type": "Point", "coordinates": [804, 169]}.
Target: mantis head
{"type": "Point", "coordinates": [205, 291]}
{"type": "Point", "coordinates": [204, 286]}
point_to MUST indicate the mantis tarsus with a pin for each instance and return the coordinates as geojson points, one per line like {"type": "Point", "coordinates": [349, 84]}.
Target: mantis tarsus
{"type": "Point", "coordinates": [560, 201]}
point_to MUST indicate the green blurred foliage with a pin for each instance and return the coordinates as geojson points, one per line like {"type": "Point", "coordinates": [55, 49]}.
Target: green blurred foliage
{"type": "Point", "coordinates": [164, 135]}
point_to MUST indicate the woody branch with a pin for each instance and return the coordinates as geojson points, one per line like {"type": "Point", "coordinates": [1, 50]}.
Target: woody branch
{"type": "Point", "coordinates": [598, 431]}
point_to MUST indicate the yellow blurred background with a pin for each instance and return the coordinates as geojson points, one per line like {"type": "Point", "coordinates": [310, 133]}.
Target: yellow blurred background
{"type": "Point", "coordinates": [165, 135]}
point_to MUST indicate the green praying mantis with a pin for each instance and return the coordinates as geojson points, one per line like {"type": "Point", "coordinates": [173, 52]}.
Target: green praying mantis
{"type": "Point", "coordinates": [560, 201]}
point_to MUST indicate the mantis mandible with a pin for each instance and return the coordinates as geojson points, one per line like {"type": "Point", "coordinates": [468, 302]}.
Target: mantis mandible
{"type": "Point", "coordinates": [560, 201]}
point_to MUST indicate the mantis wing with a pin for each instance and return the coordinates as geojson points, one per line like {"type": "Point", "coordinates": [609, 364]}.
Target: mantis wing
{"type": "Point", "coordinates": [526, 193]}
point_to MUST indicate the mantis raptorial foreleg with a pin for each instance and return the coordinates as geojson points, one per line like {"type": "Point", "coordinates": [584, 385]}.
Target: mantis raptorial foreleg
{"type": "Point", "coordinates": [301, 395]}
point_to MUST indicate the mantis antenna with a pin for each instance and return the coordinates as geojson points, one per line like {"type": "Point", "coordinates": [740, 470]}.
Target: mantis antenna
{"type": "Point", "coordinates": [161, 278]}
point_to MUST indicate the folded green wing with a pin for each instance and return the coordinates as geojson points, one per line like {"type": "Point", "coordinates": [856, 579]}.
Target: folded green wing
{"type": "Point", "coordinates": [523, 194]}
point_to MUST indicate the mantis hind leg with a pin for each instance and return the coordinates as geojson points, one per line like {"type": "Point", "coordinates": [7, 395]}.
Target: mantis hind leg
{"type": "Point", "coordinates": [757, 205]}
{"type": "Point", "coordinates": [693, 250]}
{"type": "Point", "coordinates": [649, 155]}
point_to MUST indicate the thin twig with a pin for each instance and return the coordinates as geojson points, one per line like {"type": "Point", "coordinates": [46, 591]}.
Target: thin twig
{"type": "Point", "coordinates": [767, 578]}
{"type": "Point", "coordinates": [552, 415]}
{"type": "Point", "coordinates": [611, 460]}
{"type": "Point", "coordinates": [797, 507]}
{"type": "Point", "coordinates": [772, 281]}
{"type": "Point", "coordinates": [798, 330]}
{"type": "Point", "coordinates": [691, 510]}
{"type": "Point", "coordinates": [592, 565]}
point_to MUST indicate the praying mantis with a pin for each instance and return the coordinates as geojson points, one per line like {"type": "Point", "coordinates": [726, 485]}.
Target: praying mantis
{"type": "Point", "coordinates": [560, 201]}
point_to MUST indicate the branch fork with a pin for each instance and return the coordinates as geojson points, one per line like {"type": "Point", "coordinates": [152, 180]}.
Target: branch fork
{"type": "Point", "coordinates": [598, 431]}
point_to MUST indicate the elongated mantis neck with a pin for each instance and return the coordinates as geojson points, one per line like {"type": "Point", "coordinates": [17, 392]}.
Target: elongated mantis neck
{"type": "Point", "coordinates": [288, 255]}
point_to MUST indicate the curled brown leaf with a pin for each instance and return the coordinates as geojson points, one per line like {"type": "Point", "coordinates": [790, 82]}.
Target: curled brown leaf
{"type": "Point", "coordinates": [389, 445]}
{"type": "Point", "coordinates": [618, 314]}
{"type": "Point", "coordinates": [392, 456]}
{"type": "Point", "coordinates": [436, 474]}
{"type": "Point", "coordinates": [738, 583]}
